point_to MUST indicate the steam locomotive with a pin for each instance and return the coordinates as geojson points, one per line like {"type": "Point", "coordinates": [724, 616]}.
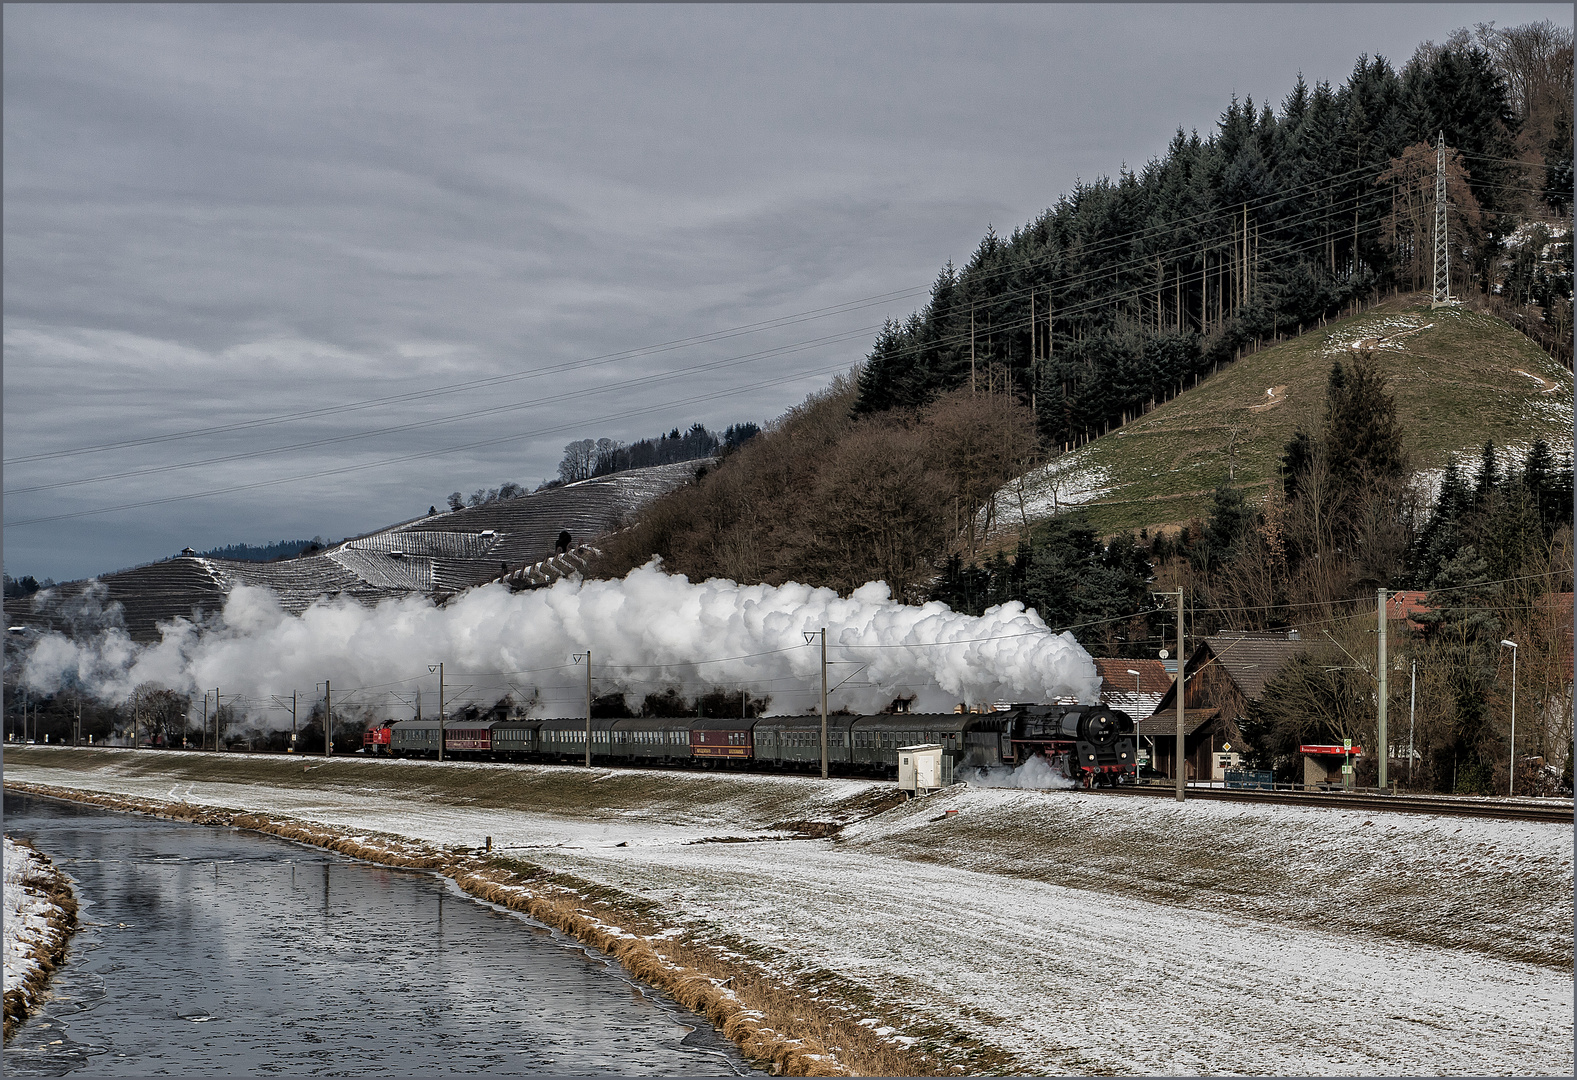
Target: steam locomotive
{"type": "Point", "coordinates": [1088, 744]}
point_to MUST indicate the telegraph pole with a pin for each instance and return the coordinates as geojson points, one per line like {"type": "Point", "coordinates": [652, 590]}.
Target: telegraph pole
{"type": "Point", "coordinates": [971, 348]}
{"type": "Point", "coordinates": [1380, 734]}
{"type": "Point", "coordinates": [1442, 295]}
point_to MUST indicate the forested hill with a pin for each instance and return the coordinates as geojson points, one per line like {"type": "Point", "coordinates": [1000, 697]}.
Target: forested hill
{"type": "Point", "coordinates": [1125, 291]}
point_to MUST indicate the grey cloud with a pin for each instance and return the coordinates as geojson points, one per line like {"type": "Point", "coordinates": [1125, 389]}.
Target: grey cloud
{"type": "Point", "coordinates": [215, 213]}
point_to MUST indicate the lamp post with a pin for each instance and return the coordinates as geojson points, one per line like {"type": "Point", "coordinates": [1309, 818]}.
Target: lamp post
{"type": "Point", "coordinates": [1511, 770]}
{"type": "Point", "coordinates": [1135, 675]}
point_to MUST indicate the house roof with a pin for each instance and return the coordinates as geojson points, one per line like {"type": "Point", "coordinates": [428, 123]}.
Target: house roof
{"type": "Point", "coordinates": [1135, 696]}
{"type": "Point", "coordinates": [1253, 659]}
{"type": "Point", "coordinates": [1166, 723]}
{"type": "Point", "coordinates": [1406, 604]}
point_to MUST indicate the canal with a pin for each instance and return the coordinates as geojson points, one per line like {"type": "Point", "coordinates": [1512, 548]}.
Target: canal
{"type": "Point", "coordinates": [219, 952]}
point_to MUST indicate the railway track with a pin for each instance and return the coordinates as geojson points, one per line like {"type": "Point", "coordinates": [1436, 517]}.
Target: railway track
{"type": "Point", "coordinates": [1454, 806]}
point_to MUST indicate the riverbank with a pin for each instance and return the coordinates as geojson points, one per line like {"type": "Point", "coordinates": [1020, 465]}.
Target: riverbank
{"type": "Point", "coordinates": [1032, 932]}
{"type": "Point", "coordinates": [40, 916]}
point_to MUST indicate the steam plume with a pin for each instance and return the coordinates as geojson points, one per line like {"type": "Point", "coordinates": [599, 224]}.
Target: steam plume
{"type": "Point", "coordinates": [1034, 774]}
{"type": "Point", "coordinates": [649, 631]}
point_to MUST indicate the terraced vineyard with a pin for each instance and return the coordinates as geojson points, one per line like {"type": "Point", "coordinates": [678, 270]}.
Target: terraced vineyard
{"type": "Point", "coordinates": [434, 556]}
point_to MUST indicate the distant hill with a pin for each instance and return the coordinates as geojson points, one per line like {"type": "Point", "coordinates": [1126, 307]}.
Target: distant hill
{"type": "Point", "coordinates": [434, 556]}
{"type": "Point", "coordinates": [1460, 378]}
{"type": "Point", "coordinates": [279, 549]}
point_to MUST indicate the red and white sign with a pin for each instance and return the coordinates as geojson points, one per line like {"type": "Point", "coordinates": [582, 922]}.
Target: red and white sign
{"type": "Point", "coordinates": [1354, 750]}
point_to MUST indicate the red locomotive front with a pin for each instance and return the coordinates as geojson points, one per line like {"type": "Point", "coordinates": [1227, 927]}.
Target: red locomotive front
{"type": "Point", "coordinates": [376, 740]}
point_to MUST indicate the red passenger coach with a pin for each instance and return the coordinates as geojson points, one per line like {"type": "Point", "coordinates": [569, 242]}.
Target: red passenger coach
{"type": "Point", "coordinates": [721, 739]}
{"type": "Point", "coordinates": [468, 738]}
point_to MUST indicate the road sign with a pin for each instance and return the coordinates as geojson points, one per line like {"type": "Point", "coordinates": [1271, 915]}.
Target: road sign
{"type": "Point", "coordinates": [1349, 748]}
{"type": "Point", "coordinates": [1226, 746]}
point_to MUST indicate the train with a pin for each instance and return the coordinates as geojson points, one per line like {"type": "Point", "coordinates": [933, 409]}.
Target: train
{"type": "Point", "coordinates": [1091, 745]}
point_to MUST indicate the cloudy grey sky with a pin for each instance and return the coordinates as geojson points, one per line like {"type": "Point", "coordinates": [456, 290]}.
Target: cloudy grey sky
{"type": "Point", "coordinates": [306, 219]}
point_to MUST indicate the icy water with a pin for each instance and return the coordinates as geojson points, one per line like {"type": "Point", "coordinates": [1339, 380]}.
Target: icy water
{"type": "Point", "coordinates": [216, 952]}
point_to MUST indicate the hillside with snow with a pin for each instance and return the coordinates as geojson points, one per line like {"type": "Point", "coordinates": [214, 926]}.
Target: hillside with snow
{"type": "Point", "coordinates": [1460, 378]}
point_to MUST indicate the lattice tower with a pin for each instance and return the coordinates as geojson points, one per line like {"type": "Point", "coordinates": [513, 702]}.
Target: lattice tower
{"type": "Point", "coordinates": [1442, 246]}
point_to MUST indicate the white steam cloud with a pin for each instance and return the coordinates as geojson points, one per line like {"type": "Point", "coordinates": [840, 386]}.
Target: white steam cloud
{"type": "Point", "coordinates": [1035, 774]}
{"type": "Point", "coordinates": [647, 632]}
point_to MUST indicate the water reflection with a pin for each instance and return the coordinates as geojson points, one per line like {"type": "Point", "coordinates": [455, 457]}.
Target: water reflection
{"type": "Point", "coordinates": [212, 951]}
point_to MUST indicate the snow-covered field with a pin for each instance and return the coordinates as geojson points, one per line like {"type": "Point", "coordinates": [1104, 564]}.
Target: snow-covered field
{"type": "Point", "coordinates": [27, 912]}
{"type": "Point", "coordinates": [1067, 932]}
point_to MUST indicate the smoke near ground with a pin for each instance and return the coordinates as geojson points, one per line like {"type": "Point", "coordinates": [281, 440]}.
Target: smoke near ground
{"type": "Point", "coordinates": [1036, 774]}
{"type": "Point", "coordinates": [647, 632]}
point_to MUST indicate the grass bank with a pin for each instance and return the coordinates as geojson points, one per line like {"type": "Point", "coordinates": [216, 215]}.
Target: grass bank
{"type": "Point", "coordinates": [48, 952]}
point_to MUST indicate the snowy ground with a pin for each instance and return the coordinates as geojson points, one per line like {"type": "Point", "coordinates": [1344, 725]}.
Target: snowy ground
{"type": "Point", "coordinates": [27, 911]}
{"type": "Point", "coordinates": [1070, 932]}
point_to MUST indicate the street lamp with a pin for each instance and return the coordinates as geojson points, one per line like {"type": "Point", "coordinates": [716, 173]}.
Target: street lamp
{"type": "Point", "coordinates": [1135, 675]}
{"type": "Point", "coordinates": [1511, 770]}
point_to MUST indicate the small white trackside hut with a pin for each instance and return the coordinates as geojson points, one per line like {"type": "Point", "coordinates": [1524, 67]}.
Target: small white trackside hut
{"type": "Point", "coordinates": [920, 768]}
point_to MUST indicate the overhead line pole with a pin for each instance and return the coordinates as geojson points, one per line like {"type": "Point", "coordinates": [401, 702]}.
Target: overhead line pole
{"type": "Point", "coordinates": [328, 719]}
{"type": "Point", "coordinates": [823, 702]}
{"type": "Point", "coordinates": [1380, 733]}
{"type": "Point", "coordinates": [1182, 666]}
{"type": "Point", "coordinates": [1412, 715]}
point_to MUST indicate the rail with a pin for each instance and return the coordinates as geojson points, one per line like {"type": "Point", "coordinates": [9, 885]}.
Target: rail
{"type": "Point", "coordinates": [1557, 810]}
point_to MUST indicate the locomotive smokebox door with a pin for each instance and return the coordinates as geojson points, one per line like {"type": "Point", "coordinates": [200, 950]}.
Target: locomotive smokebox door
{"type": "Point", "coordinates": [920, 768]}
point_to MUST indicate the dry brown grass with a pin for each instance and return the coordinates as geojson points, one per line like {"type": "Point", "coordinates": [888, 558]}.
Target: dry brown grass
{"type": "Point", "coordinates": [49, 953]}
{"type": "Point", "coordinates": [793, 1030]}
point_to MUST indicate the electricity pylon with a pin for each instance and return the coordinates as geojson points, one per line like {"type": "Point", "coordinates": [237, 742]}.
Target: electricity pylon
{"type": "Point", "coordinates": [1442, 294]}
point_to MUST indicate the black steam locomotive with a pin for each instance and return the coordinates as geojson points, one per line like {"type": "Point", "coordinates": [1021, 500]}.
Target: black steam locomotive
{"type": "Point", "coordinates": [1088, 744]}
